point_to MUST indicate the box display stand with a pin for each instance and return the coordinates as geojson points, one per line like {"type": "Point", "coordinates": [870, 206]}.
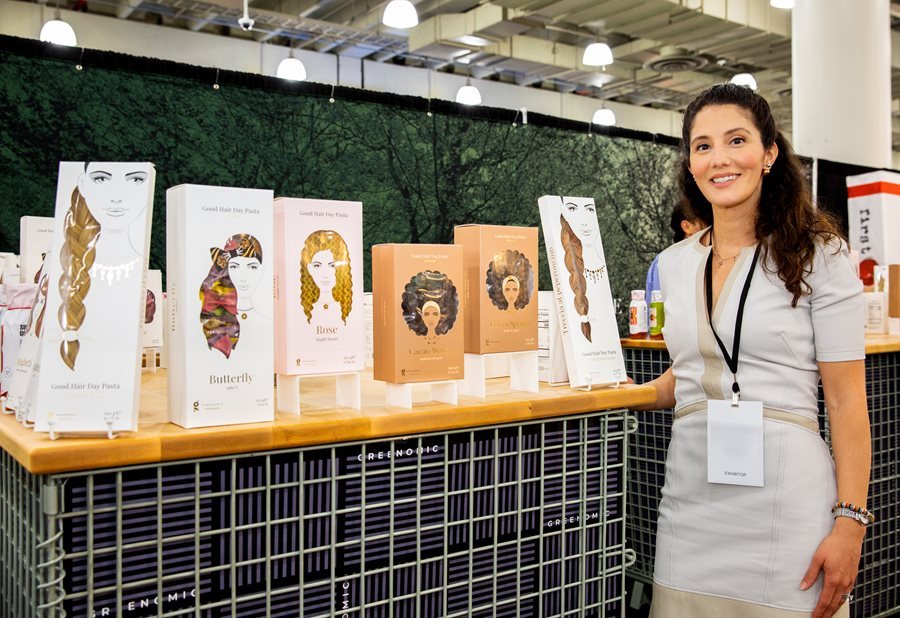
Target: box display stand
{"type": "Point", "coordinates": [523, 372]}
{"type": "Point", "coordinates": [108, 419]}
{"type": "Point", "coordinates": [348, 391]}
{"type": "Point", "coordinates": [400, 395]}
{"type": "Point", "coordinates": [590, 385]}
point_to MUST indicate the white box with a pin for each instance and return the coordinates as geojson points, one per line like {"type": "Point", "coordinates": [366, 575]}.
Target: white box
{"type": "Point", "coordinates": [152, 330]}
{"type": "Point", "coordinates": [551, 356]}
{"type": "Point", "coordinates": [35, 236]}
{"type": "Point", "coordinates": [219, 248]}
{"type": "Point", "coordinates": [370, 330]}
{"type": "Point", "coordinates": [319, 322]}
{"type": "Point", "coordinates": [584, 305]}
{"type": "Point", "coordinates": [89, 376]}
{"type": "Point", "coordinates": [873, 209]}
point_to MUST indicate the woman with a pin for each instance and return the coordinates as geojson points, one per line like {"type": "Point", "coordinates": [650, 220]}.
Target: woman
{"type": "Point", "coordinates": [684, 224]}
{"type": "Point", "coordinates": [326, 281]}
{"type": "Point", "coordinates": [430, 305]}
{"type": "Point", "coordinates": [226, 294]}
{"type": "Point", "coordinates": [584, 260]}
{"type": "Point", "coordinates": [774, 550]}
{"type": "Point", "coordinates": [509, 281]}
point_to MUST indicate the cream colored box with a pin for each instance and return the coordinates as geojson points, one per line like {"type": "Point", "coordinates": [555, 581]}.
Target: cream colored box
{"type": "Point", "coordinates": [418, 312]}
{"type": "Point", "coordinates": [318, 287]}
{"type": "Point", "coordinates": [219, 254]}
{"type": "Point", "coordinates": [499, 287]}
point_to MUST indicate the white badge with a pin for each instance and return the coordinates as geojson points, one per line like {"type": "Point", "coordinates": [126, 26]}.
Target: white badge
{"type": "Point", "coordinates": [734, 443]}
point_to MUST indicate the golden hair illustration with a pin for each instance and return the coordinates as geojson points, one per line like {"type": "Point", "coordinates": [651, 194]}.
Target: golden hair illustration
{"type": "Point", "coordinates": [80, 233]}
{"type": "Point", "coordinates": [326, 240]}
{"type": "Point", "coordinates": [505, 265]}
{"type": "Point", "coordinates": [574, 261]}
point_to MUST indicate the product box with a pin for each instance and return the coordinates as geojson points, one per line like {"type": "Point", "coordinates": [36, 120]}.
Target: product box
{"type": "Point", "coordinates": [584, 305]}
{"type": "Point", "coordinates": [13, 326]}
{"type": "Point", "coordinates": [319, 322]}
{"type": "Point", "coordinates": [35, 235]}
{"type": "Point", "coordinates": [29, 353]}
{"type": "Point", "coordinates": [418, 312]}
{"type": "Point", "coordinates": [551, 356]}
{"type": "Point", "coordinates": [152, 331]}
{"type": "Point", "coordinates": [219, 255]}
{"type": "Point", "coordinates": [89, 374]}
{"type": "Point", "coordinates": [499, 287]}
{"type": "Point", "coordinates": [873, 209]}
{"type": "Point", "coordinates": [370, 330]}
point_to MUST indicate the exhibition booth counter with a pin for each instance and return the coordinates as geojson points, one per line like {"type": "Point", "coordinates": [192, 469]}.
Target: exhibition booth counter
{"type": "Point", "coordinates": [875, 344]}
{"type": "Point", "coordinates": [158, 440]}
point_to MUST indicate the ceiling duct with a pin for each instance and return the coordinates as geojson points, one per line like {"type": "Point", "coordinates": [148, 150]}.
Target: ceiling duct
{"type": "Point", "coordinates": [675, 60]}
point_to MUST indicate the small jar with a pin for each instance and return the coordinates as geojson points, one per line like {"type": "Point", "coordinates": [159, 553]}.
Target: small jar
{"type": "Point", "coordinates": [657, 314]}
{"type": "Point", "coordinates": [637, 315]}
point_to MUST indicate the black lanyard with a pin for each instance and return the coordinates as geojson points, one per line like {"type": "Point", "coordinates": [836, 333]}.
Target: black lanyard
{"type": "Point", "coordinates": [730, 359]}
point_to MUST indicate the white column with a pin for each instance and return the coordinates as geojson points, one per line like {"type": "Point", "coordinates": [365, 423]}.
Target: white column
{"type": "Point", "coordinates": [842, 80]}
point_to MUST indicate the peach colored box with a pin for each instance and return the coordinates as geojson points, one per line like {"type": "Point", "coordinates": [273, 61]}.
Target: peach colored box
{"type": "Point", "coordinates": [319, 312]}
{"type": "Point", "coordinates": [499, 287]}
{"type": "Point", "coordinates": [418, 312]}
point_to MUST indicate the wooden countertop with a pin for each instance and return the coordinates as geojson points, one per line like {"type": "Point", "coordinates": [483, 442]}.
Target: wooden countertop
{"type": "Point", "coordinates": [320, 423]}
{"type": "Point", "coordinates": [875, 344]}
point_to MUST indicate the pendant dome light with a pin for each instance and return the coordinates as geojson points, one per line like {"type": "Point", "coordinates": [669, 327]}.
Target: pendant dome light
{"type": "Point", "coordinates": [59, 32]}
{"type": "Point", "coordinates": [597, 55]}
{"type": "Point", "coordinates": [291, 69]}
{"type": "Point", "coordinates": [782, 4]}
{"type": "Point", "coordinates": [744, 79]}
{"type": "Point", "coordinates": [400, 14]}
{"type": "Point", "coordinates": [604, 117]}
{"type": "Point", "coordinates": [468, 94]}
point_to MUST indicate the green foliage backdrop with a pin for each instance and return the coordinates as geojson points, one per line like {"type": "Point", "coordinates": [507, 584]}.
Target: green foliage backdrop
{"type": "Point", "coordinates": [417, 175]}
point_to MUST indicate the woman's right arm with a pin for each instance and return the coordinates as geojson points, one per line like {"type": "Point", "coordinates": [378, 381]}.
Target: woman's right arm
{"type": "Point", "coordinates": [665, 392]}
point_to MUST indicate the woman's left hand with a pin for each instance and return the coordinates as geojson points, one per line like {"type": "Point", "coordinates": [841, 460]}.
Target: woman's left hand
{"type": "Point", "coordinates": [838, 558]}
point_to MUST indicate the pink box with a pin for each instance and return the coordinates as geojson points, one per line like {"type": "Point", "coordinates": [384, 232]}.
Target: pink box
{"type": "Point", "coordinates": [319, 307]}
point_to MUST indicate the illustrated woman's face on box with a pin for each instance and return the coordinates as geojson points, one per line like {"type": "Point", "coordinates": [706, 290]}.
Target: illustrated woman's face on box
{"type": "Point", "coordinates": [511, 291]}
{"type": "Point", "coordinates": [582, 218]}
{"type": "Point", "coordinates": [115, 193]}
{"type": "Point", "coordinates": [321, 269]}
{"type": "Point", "coordinates": [431, 315]}
{"type": "Point", "coordinates": [245, 274]}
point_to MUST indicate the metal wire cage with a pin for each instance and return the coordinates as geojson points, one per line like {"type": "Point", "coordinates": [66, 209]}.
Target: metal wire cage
{"type": "Point", "coordinates": [877, 592]}
{"type": "Point", "coordinates": [508, 521]}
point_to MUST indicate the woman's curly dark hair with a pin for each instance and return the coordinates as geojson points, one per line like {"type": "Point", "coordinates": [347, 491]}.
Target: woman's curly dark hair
{"type": "Point", "coordinates": [429, 286]}
{"type": "Point", "coordinates": [788, 225]}
{"type": "Point", "coordinates": [506, 264]}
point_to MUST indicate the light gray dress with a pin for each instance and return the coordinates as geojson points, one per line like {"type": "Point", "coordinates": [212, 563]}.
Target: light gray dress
{"type": "Point", "coordinates": [733, 550]}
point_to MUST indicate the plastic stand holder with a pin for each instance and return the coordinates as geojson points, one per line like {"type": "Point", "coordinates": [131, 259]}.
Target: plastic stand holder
{"type": "Point", "coordinates": [590, 385]}
{"type": "Point", "coordinates": [3, 405]}
{"type": "Point", "coordinates": [348, 391]}
{"type": "Point", "coordinates": [523, 372]}
{"type": "Point", "coordinates": [150, 360]}
{"type": "Point", "coordinates": [107, 418]}
{"type": "Point", "coordinates": [400, 395]}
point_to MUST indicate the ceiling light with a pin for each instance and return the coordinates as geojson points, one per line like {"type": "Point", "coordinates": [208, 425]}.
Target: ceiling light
{"type": "Point", "coordinates": [59, 32]}
{"type": "Point", "coordinates": [744, 79]}
{"type": "Point", "coordinates": [400, 14]}
{"type": "Point", "coordinates": [597, 55]}
{"type": "Point", "coordinates": [468, 94]}
{"type": "Point", "coordinates": [291, 69]}
{"type": "Point", "coordinates": [471, 39]}
{"type": "Point", "coordinates": [782, 4]}
{"type": "Point", "coordinates": [604, 117]}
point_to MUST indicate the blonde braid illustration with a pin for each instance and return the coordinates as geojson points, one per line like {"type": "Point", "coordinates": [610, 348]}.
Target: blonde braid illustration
{"type": "Point", "coordinates": [80, 230]}
{"type": "Point", "coordinates": [574, 261]}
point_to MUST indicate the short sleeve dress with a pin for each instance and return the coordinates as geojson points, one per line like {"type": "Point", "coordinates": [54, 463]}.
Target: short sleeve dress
{"type": "Point", "coordinates": [725, 550]}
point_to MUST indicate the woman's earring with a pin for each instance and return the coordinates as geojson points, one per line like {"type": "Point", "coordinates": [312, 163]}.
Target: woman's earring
{"type": "Point", "coordinates": [767, 169]}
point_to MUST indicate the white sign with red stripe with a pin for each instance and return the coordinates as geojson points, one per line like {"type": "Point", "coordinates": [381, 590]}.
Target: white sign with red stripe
{"type": "Point", "coordinates": [873, 207]}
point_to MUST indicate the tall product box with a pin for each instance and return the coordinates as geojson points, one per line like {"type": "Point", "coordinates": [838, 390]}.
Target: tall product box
{"type": "Point", "coordinates": [581, 292]}
{"type": "Point", "coordinates": [418, 312]}
{"type": "Point", "coordinates": [89, 374]}
{"type": "Point", "coordinates": [499, 287]}
{"type": "Point", "coordinates": [152, 331]}
{"type": "Point", "coordinates": [35, 236]}
{"type": "Point", "coordinates": [219, 274]}
{"type": "Point", "coordinates": [319, 313]}
{"type": "Point", "coordinates": [873, 210]}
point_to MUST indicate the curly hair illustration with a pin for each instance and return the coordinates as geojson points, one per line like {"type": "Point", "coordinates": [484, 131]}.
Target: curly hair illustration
{"type": "Point", "coordinates": [326, 240]}
{"type": "Point", "coordinates": [218, 296]}
{"type": "Point", "coordinates": [574, 260]}
{"type": "Point", "coordinates": [149, 307]}
{"type": "Point", "coordinates": [426, 287]}
{"type": "Point", "coordinates": [80, 234]}
{"type": "Point", "coordinates": [506, 265]}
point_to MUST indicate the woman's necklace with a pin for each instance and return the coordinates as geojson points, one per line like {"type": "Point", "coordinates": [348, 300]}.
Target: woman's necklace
{"type": "Point", "coordinates": [111, 273]}
{"type": "Point", "coordinates": [594, 274]}
{"type": "Point", "coordinates": [720, 259]}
